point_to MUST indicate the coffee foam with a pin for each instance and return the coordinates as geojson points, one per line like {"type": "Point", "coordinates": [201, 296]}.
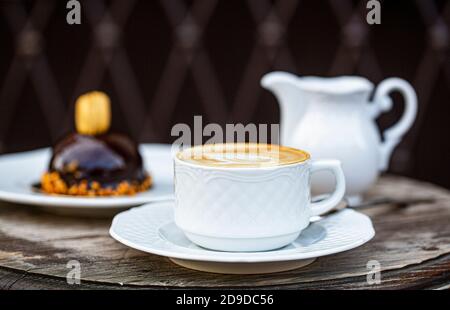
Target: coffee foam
{"type": "Point", "coordinates": [242, 155]}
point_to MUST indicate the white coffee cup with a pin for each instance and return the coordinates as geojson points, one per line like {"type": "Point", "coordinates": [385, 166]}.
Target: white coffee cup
{"type": "Point", "coordinates": [257, 208]}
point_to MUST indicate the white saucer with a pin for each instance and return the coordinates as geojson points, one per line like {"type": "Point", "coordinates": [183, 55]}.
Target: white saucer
{"type": "Point", "coordinates": [151, 229]}
{"type": "Point", "coordinates": [18, 172]}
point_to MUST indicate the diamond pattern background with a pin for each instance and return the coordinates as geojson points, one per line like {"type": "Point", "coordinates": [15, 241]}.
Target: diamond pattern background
{"type": "Point", "coordinates": [164, 61]}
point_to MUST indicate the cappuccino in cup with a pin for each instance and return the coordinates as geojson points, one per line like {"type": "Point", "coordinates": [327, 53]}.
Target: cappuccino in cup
{"type": "Point", "coordinates": [242, 155]}
{"type": "Point", "coordinates": [248, 196]}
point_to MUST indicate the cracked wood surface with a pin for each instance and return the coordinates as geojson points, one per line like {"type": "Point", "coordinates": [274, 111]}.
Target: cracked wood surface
{"type": "Point", "coordinates": [412, 245]}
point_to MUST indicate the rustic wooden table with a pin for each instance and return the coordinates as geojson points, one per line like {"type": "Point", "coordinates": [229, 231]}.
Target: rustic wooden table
{"type": "Point", "coordinates": [412, 245]}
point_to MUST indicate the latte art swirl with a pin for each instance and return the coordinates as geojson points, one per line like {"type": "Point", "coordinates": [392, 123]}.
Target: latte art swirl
{"type": "Point", "coordinates": [242, 155]}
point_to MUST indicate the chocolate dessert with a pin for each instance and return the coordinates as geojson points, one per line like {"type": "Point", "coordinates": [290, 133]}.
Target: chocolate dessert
{"type": "Point", "coordinates": [93, 161]}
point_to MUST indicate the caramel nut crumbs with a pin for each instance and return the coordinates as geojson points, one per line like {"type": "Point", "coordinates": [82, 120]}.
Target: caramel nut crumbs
{"type": "Point", "coordinates": [51, 183]}
{"type": "Point", "coordinates": [95, 186]}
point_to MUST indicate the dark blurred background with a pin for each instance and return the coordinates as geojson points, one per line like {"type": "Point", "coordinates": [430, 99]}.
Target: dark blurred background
{"type": "Point", "coordinates": [164, 61]}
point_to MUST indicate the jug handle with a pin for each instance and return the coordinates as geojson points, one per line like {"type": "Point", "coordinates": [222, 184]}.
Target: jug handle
{"type": "Point", "coordinates": [383, 103]}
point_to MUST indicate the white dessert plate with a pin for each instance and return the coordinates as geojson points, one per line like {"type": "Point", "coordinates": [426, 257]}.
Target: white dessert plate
{"type": "Point", "coordinates": [18, 173]}
{"type": "Point", "coordinates": [151, 229]}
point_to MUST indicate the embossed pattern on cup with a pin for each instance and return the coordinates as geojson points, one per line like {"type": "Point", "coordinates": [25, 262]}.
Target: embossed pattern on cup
{"type": "Point", "coordinates": [242, 203]}
{"type": "Point", "coordinates": [249, 208]}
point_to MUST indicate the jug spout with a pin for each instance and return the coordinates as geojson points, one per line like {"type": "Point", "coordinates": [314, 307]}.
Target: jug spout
{"type": "Point", "coordinates": [285, 87]}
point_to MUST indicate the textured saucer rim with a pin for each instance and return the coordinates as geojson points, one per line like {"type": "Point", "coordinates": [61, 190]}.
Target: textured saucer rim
{"type": "Point", "coordinates": [235, 257]}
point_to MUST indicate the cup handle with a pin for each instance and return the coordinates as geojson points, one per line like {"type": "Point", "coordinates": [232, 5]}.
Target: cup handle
{"type": "Point", "coordinates": [323, 206]}
{"type": "Point", "coordinates": [383, 103]}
